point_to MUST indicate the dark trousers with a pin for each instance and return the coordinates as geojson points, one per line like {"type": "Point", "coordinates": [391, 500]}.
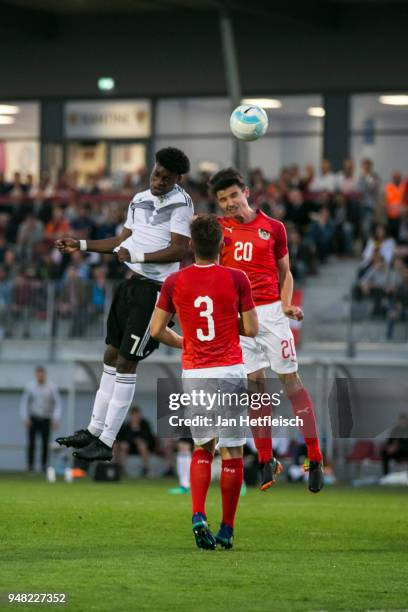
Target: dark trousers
{"type": "Point", "coordinates": [42, 427]}
{"type": "Point", "coordinates": [399, 455]}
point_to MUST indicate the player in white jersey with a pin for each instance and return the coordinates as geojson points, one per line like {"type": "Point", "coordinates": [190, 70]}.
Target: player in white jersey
{"type": "Point", "coordinates": [153, 241]}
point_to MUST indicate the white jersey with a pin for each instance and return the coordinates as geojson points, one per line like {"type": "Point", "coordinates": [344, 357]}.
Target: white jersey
{"type": "Point", "coordinates": [151, 220]}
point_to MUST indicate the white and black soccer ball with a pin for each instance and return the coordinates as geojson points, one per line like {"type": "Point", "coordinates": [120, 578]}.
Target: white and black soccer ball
{"type": "Point", "coordinates": [248, 122]}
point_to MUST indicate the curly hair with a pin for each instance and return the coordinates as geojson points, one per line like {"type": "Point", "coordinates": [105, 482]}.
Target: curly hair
{"type": "Point", "coordinates": [174, 160]}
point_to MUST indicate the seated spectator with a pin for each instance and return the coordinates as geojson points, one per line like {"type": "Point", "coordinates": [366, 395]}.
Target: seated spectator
{"type": "Point", "coordinates": [368, 186]}
{"type": "Point", "coordinates": [301, 254]}
{"type": "Point", "coordinates": [21, 300]}
{"type": "Point", "coordinates": [3, 248]}
{"type": "Point", "coordinates": [91, 185]}
{"type": "Point", "coordinates": [98, 289]}
{"type": "Point", "coordinates": [396, 447]}
{"type": "Point", "coordinates": [307, 179]}
{"type": "Point", "coordinates": [58, 226]}
{"type": "Point", "coordinates": [43, 191]}
{"type": "Point", "coordinates": [80, 261]}
{"type": "Point", "coordinates": [325, 180]}
{"type": "Point", "coordinates": [47, 267]}
{"type": "Point", "coordinates": [344, 229]}
{"type": "Point", "coordinates": [297, 210]}
{"type": "Point", "coordinates": [321, 233]}
{"type": "Point", "coordinates": [82, 225]}
{"type": "Point", "coordinates": [17, 189]}
{"type": "Point", "coordinates": [4, 185]}
{"type": "Point", "coordinates": [10, 263]}
{"type": "Point", "coordinates": [29, 233]}
{"type": "Point", "coordinates": [398, 310]}
{"type": "Point", "coordinates": [135, 438]}
{"type": "Point", "coordinates": [74, 299]}
{"type": "Point", "coordinates": [403, 228]}
{"type": "Point", "coordinates": [379, 242]}
{"type": "Point", "coordinates": [375, 284]}
{"type": "Point", "coordinates": [346, 181]}
{"type": "Point", "coordinates": [5, 301]}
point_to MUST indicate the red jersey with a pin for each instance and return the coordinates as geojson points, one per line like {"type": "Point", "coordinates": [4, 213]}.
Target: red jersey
{"type": "Point", "coordinates": [255, 248]}
{"type": "Point", "coordinates": [207, 300]}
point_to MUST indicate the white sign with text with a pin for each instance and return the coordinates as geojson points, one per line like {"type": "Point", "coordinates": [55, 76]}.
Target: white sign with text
{"type": "Point", "coordinates": [103, 119]}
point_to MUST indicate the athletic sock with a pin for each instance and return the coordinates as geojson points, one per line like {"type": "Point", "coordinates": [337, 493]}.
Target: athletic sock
{"type": "Point", "coordinates": [262, 434]}
{"type": "Point", "coordinates": [102, 399]}
{"type": "Point", "coordinates": [232, 476]}
{"type": "Point", "coordinates": [183, 462]}
{"type": "Point", "coordinates": [200, 478]}
{"type": "Point", "coordinates": [302, 406]}
{"type": "Point", "coordinates": [119, 405]}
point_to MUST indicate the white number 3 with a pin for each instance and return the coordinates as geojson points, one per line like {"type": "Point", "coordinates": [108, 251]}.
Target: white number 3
{"type": "Point", "coordinates": [207, 313]}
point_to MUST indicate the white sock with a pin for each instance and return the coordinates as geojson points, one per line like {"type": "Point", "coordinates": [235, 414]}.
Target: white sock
{"type": "Point", "coordinates": [183, 462]}
{"type": "Point", "coordinates": [118, 406]}
{"type": "Point", "coordinates": [102, 399]}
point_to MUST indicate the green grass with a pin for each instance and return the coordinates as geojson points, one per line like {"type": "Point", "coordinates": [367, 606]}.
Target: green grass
{"type": "Point", "coordinates": [129, 546]}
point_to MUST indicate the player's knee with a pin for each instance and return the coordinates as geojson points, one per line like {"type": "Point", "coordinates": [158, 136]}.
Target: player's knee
{"type": "Point", "coordinates": [208, 446]}
{"type": "Point", "coordinates": [110, 356]}
{"type": "Point", "coordinates": [232, 452]}
{"type": "Point", "coordinates": [256, 381]}
{"type": "Point", "coordinates": [125, 366]}
{"type": "Point", "coordinates": [291, 382]}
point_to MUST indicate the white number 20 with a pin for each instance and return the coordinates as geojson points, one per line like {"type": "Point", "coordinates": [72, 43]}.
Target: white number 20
{"type": "Point", "coordinates": [243, 250]}
{"type": "Point", "coordinates": [207, 313]}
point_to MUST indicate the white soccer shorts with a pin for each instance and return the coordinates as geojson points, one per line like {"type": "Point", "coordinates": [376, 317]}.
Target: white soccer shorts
{"type": "Point", "coordinates": [231, 379]}
{"type": "Point", "coordinates": [274, 345]}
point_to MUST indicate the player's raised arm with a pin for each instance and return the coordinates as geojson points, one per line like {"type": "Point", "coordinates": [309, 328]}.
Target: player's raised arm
{"type": "Point", "coordinates": [107, 245]}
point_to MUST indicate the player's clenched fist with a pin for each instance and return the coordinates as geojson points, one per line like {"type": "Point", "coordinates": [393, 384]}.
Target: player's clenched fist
{"type": "Point", "coordinates": [123, 255]}
{"type": "Point", "coordinates": [67, 245]}
{"type": "Point", "coordinates": [293, 312]}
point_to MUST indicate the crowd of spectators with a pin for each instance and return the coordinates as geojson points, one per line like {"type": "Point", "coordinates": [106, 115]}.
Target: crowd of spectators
{"type": "Point", "coordinates": [325, 213]}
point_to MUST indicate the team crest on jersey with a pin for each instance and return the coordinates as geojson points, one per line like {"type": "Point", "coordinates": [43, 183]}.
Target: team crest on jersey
{"type": "Point", "coordinates": [263, 234]}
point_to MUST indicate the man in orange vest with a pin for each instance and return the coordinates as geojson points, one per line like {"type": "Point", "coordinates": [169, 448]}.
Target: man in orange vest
{"type": "Point", "coordinates": [394, 193]}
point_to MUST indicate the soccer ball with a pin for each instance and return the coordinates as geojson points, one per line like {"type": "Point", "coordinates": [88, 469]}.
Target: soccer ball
{"type": "Point", "coordinates": [248, 122]}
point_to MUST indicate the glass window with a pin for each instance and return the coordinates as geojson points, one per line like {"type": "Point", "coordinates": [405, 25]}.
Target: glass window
{"type": "Point", "coordinates": [186, 116]}
{"type": "Point", "coordinates": [379, 125]}
{"type": "Point", "coordinates": [388, 152]}
{"type": "Point", "coordinates": [272, 154]}
{"type": "Point", "coordinates": [201, 127]}
{"type": "Point", "coordinates": [19, 133]}
{"type": "Point", "coordinates": [217, 151]}
{"type": "Point", "coordinates": [368, 113]}
{"type": "Point", "coordinates": [293, 114]}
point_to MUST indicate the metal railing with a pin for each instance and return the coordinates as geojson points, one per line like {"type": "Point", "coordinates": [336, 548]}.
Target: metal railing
{"type": "Point", "coordinates": [375, 320]}
{"type": "Point", "coordinates": [54, 310]}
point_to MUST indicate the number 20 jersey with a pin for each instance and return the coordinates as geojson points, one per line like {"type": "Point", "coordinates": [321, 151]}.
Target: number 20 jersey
{"type": "Point", "coordinates": [207, 300]}
{"type": "Point", "coordinates": [255, 248]}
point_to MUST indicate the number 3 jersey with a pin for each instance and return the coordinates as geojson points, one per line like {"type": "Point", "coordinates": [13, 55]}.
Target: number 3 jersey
{"type": "Point", "coordinates": [207, 300]}
{"type": "Point", "coordinates": [255, 248]}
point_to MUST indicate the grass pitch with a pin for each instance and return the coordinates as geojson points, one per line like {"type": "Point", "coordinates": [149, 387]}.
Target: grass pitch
{"type": "Point", "coordinates": [129, 546]}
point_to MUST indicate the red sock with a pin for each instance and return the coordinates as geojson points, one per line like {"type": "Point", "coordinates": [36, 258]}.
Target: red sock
{"type": "Point", "coordinates": [200, 478]}
{"type": "Point", "coordinates": [232, 476]}
{"type": "Point", "coordinates": [302, 406]}
{"type": "Point", "coordinates": [262, 434]}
